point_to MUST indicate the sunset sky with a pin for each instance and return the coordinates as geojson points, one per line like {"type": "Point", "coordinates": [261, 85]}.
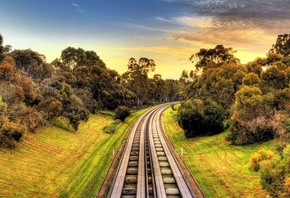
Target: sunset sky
{"type": "Point", "coordinates": [167, 31]}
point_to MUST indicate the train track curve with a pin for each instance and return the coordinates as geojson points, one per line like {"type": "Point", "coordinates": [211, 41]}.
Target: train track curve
{"type": "Point", "coordinates": [148, 168]}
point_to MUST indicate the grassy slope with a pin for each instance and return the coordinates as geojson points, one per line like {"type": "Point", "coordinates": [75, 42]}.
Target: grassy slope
{"type": "Point", "coordinates": [56, 162]}
{"type": "Point", "coordinates": [220, 169]}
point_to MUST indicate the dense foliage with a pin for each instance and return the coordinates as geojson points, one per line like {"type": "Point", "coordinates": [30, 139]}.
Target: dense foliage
{"type": "Point", "coordinates": [122, 112]}
{"type": "Point", "coordinates": [275, 171]}
{"type": "Point", "coordinates": [200, 118]}
{"type": "Point", "coordinates": [34, 92]}
{"type": "Point", "coordinates": [212, 93]}
{"type": "Point", "coordinates": [253, 98]}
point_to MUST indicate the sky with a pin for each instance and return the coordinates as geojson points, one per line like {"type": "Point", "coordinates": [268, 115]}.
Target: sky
{"type": "Point", "coordinates": [167, 31]}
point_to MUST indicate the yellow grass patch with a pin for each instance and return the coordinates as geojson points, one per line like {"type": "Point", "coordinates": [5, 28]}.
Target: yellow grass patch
{"type": "Point", "coordinates": [56, 162]}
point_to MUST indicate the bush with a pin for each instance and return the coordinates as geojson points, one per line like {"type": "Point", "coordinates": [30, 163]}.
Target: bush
{"type": "Point", "coordinates": [199, 118]}
{"type": "Point", "coordinates": [257, 130]}
{"type": "Point", "coordinates": [259, 157]}
{"type": "Point", "coordinates": [10, 133]}
{"type": "Point", "coordinates": [122, 112]}
{"type": "Point", "coordinates": [273, 177]}
{"type": "Point", "coordinates": [112, 127]}
{"type": "Point", "coordinates": [275, 173]}
{"type": "Point", "coordinates": [173, 107]}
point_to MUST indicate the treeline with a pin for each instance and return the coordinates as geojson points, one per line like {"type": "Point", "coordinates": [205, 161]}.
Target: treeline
{"type": "Point", "coordinates": [252, 101]}
{"type": "Point", "coordinates": [34, 92]}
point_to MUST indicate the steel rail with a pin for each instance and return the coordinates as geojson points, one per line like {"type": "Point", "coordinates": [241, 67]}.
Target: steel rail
{"type": "Point", "coordinates": [146, 143]}
{"type": "Point", "coordinates": [183, 187]}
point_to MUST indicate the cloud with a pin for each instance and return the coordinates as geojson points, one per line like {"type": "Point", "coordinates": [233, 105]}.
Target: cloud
{"type": "Point", "coordinates": [148, 28]}
{"type": "Point", "coordinates": [158, 18]}
{"type": "Point", "coordinates": [172, 50]}
{"type": "Point", "coordinates": [261, 13]}
{"type": "Point", "coordinates": [247, 25]}
{"type": "Point", "coordinates": [78, 7]}
{"type": "Point", "coordinates": [194, 22]}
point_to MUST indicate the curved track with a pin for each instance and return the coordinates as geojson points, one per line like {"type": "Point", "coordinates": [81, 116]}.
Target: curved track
{"type": "Point", "coordinates": [148, 167]}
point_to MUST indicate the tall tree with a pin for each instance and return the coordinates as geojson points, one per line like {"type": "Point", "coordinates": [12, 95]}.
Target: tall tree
{"type": "Point", "coordinates": [157, 89]}
{"type": "Point", "coordinates": [143, 66]}
{"type": "Point", "coordinates": [60, 100]}
{"type": "Point", "coordinates": [282, 45]}
{"type": "Point", "coordinates": [32, 64]}
{"type": "Point", "coordinates": [207, 58]}
{"type": "Point", "coordinates": [172, 89]}
{"type": "Point", "coordinates": [252, 117]}
{"type": "Point", "coordinates": [274, 78]}
{"type": "Point", "coordinates": [2, 50]}
{"type": "Point", "coordinates": [136, 78]}
{"type": "Point", "coordinates": [73, 58]}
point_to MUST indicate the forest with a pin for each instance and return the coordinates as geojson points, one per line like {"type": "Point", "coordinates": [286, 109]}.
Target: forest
{"type": "Point", "coordinates": [34, 92]}
{"type": "Point", "coordinates": [250, 100]}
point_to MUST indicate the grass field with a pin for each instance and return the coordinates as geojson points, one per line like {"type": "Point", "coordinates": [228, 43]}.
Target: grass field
{"type": "Point", "coordinates": [58, 163]}
{"type": "Point", "coordinates": [221, 169]}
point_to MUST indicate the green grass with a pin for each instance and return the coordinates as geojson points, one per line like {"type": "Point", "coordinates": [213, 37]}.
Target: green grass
{"type": "Point", "coordinates": [58, 163]}
{"type": "Point", "coordinates": [221, 169]}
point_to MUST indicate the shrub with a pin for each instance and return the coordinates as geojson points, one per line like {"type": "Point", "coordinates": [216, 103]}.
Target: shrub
{"type": "Point", "coordinates": [122, 112]}
{"type": "Point", "coordinates": [259, 157]}
{"type": "Point", "coordinates": [200, 118]}
{"type": "Point", "coordinates": [110, 128]}
{"type": "Point", "coordinates": [273, 177]}
{"type": "Point", "coordinates": [275, 174]}
{"type": "Point", "coordinates": [257, 130]}
{"type": "Point", "coordinates": [10, 133]}
{"type": "Point", "coordinates": [173, 107]}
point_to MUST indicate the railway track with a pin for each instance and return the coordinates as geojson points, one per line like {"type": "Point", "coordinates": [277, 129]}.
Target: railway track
{"type": "Point", "coordinates": [147, 167]}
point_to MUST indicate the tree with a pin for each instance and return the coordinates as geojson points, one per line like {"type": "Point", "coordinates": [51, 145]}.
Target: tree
{"type": "Point", "coordinates": [207, 58]}
{"type": "Point", "coordinates": [248, 104]}
{"type": "Point", "coordinates": [136, 78]}
{"type": "Point", "coordinates": [51, 106]}
{"type": "Point", "coordinates": [2, 50]}
{"type": "Point", "coordinates": [252, 79]}
{"type": "Point", "coordinates": [73, 58]}
{"type": "Point", "coordinates": [172, 89]}
{"type": "Point", "coordinates": [157, 89]}
{"type": "Point", "coordinates": [252, 119]}
{"type": "Point", "coordinates": [144, 65]}
{"type": "Point", "coordinates": [274, 78]}
{"type": "Point", "coordinates": [256, 66]}
{"type": "Point", "coordinates": [3, 108]}
{"type": "Point", "coordinates": [60, 100]}
{"type": "Point", "coordinates": [272, 58]}
{"type": "Point", "coordinates": [88, 100]}
{"type": "Point", "coordinates": [282, 45]}
{"type": "Point", "coordinates": [28, 88]}
{"type": "Point", "coordinates": [7, 70]}
{"type": "Point", "coordinates": [32, 64]}
{"type": "Point", "coordinates": [74, 111]}
{"type": "Point", "coordinates": [219, 85]}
